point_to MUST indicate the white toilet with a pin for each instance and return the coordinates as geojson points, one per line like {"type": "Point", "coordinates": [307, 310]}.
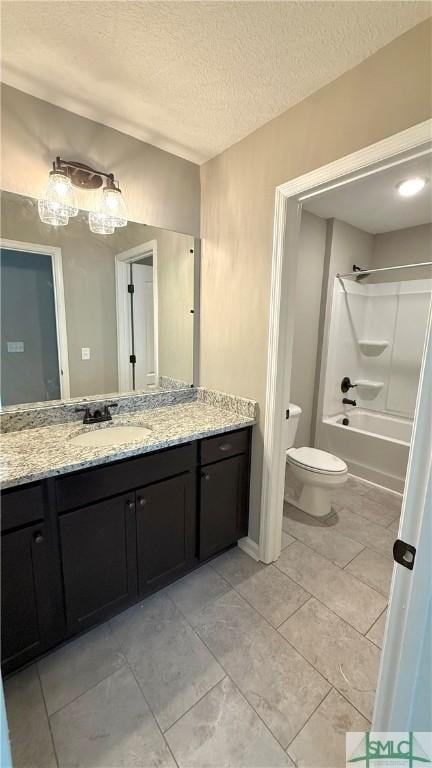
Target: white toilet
{"type": "Point", "coordinates": [318, 471]}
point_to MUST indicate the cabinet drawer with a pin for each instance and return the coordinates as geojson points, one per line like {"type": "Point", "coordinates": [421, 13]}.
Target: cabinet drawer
{"type": "Point", "coordinates": [92, 485]}
{"type": "Point", "coordinates": [21, 506]}
{"type": "Point", "coordinates": [223, 446]}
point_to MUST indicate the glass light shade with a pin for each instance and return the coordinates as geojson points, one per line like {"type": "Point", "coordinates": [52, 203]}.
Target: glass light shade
{"type": "Point", "coordinates": [113, 207]}
{"type": "Point", "coordinates": [52, 213]}
{"type": "Point", "coordinates": [60, 190]}
{"type": "Point", "coordinates": [99, 225]}
{"type": "Point", "coordinates": [59, 201]}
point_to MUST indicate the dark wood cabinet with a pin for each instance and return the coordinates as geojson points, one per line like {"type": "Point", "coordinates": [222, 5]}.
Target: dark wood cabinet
{"type": "Point", "coordinates": [223, 505]}
{"type": "Point", "coordinates": [166, 523]}
{"type": "Point", "coordinates": [79, 548]}
{"type": "Point", "coordinates": [99, 560]}
{"type": "Point", "coordinates": [32, 619]}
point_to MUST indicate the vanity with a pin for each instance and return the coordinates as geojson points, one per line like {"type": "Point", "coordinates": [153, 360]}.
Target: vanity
{"type": "Point", "coordinates": [80, 546]}
{"type": "Point", "coordinates": [118, 474]}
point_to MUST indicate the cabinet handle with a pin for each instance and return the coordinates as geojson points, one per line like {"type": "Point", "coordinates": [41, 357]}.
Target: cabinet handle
{"type": "Point", "coordinates": [225, 447]}
{"type": "Point", "coordinates": [142, 501]}
{"type": "Point", "coordinates": [205, 475]}
{"type": "Point", "coordinates": [38, 537]}
{"type": "Point", "coordinates": [130, 505]}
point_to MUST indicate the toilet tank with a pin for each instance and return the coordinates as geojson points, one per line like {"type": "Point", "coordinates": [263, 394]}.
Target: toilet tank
{"type": "Point", "coordinates": [291, 425]}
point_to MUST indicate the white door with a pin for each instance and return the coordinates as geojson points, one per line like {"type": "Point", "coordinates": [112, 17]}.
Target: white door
{"type": "Point", "coordinates": [403, 699]}
{"type": "Point", "coordinates": [143, 325]}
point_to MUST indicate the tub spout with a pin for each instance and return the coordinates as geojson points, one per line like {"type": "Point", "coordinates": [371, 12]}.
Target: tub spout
{"type": "Point", "coordinates": [347, 401]}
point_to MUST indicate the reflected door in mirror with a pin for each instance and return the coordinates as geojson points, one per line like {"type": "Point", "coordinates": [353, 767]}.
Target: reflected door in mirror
{"type": "Point", "coordinates": [29, 348]}
{"type": "Point", "coordinates": [142, 323]}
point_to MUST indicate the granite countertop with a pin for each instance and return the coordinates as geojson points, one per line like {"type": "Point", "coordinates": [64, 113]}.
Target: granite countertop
{"type": "Point", "coordinates": [33, 454]}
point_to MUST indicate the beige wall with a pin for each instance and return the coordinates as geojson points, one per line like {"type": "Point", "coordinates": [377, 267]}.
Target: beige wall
{"type": "Point", "coordinates": [346, 245]}
{"type": "Point", "coordinates": [385, 94]}
{"type": "Point", "coordinates": [90, 293]}
{"type": "Point", "coordinates": [403, 246]}
{"type": "Point", "coordinates": [161, 189]}
{"type": "Point", "coordinates": [309, 284]}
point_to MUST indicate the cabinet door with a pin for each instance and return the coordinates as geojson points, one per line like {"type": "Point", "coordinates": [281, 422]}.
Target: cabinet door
{"type": "Point", "coordinates": [32, 615]}
{"type": "Point", "coordinates": [99, 560]}
{"type": "Point", "coordinates": [165, 531]}
{"type": "Point", "coordinates": [223, 509]}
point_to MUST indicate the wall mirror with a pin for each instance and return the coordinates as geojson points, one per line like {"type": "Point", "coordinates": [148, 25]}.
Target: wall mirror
{"type": "Point", "coordinates": [88, 315]}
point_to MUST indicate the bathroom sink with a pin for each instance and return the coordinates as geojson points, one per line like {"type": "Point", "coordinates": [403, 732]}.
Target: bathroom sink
{"type": "Point", "coordinates": [112, 435]}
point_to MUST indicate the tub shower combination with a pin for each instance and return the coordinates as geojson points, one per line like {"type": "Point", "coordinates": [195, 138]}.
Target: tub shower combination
{"type": "Point", "coordinates": [373, 436]}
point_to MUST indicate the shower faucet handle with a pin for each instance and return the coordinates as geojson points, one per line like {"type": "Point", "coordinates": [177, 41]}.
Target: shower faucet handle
{"type": "Point", "coordinates": [346, 384]}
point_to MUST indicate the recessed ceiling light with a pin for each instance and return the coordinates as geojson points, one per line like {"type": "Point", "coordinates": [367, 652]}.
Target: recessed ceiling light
{"type": "Point", "coordinates": [410, 187]}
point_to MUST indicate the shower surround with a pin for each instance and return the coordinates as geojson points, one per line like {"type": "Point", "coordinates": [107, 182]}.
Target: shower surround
{"type": "Point", "coordinates": [376, 337]}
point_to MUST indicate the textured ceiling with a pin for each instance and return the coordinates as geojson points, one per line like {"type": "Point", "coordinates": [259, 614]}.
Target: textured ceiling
{"type": "Point", "coordinates": [190, 77]}
{"type": "Point", "coordinates": [374, 204]}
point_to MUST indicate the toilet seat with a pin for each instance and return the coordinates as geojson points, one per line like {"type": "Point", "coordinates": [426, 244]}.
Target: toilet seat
{"type": "Point", "coordinates": [315, 460]}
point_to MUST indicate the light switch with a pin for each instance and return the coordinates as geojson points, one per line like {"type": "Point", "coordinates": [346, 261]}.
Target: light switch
{"type": "Point", "coordinates": [15, 346]}
{"type": "Point", "coordinates": [85, 353]}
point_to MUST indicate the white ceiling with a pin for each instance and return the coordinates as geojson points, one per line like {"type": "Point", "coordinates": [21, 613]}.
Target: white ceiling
{"type": "Point", "coordinates": [374, 204]}
{"type": "Point", "coordinates": [190, 77]}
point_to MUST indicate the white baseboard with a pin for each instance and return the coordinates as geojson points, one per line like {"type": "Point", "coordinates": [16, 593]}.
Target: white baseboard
{"type": "Point", "coordinates": [249, 546]}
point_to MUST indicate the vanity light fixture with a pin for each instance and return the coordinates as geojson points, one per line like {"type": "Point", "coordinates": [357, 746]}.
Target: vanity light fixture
{"type": "Point", "coordinates": [410, 187]}
{"type": "Point", "coordinates": [59, 203]}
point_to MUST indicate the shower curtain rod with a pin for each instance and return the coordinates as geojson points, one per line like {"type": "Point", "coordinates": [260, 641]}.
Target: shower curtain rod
{"type": "Point", "coordinates": [365, 272]}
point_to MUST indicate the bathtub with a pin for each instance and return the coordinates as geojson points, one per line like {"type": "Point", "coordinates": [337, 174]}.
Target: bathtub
{"type": "Point", "coordinates": [374, 445]}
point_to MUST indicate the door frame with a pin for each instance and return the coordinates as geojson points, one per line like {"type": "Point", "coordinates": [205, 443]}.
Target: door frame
{"type": "Point", "coordinates": [410, 143]}
{"type": "Point", "coordinates": [55, 254]}
{"type": "Point", "coordinates": [122, 260]}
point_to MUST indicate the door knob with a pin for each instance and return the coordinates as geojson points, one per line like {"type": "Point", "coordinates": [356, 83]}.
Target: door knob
{"type": "Point", "coordinates": [205, 475]}
{"type": "Point", "coordinates": [142, 501]}
{"type": "Point", "coordinates": [130, 505]}
{"type": "Point", "coordinates": [38, 537]}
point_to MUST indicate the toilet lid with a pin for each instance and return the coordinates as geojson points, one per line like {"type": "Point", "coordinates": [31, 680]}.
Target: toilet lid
{"type": "Point", "coordinates": [316, 459]}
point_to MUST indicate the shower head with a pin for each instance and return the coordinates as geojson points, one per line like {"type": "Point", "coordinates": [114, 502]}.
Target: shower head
{"type": "Point", "coordinates": [362, 272]}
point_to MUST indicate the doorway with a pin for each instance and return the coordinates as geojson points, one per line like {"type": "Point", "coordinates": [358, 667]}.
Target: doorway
{"type": "Point", "coordinates": [137, 317]}
{"type": "Point", "coordinates": [394, 698]}
{"type": "Point", "coordinates": [34, 358]}
{"type": "Point", "coordinates": [290, 199]}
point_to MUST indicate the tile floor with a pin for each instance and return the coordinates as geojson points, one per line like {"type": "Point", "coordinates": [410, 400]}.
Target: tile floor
{"type": "Point", "coordinates": [238, 664]}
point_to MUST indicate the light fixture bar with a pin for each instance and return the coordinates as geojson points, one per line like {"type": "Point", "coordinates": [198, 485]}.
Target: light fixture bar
{"type": "Point", "coordinates": [82, 175]}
